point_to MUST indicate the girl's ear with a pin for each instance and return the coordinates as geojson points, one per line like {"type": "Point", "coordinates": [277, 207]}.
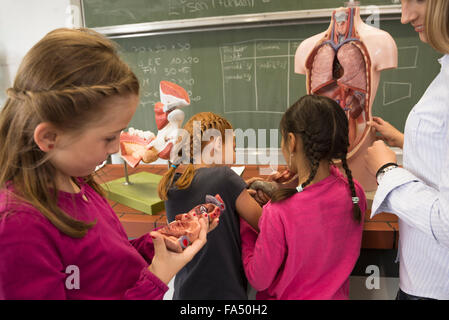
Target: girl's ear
{"type": "Point", "coordinates": [291, 142]}
{"type": "Point", "coordinates": [45, 136]}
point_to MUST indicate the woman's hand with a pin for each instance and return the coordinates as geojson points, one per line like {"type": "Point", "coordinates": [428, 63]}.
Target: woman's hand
{"type": "Point", "coordinates": [392, 136]}
{"type": "Point", "coordinates": [377, 155]}
{"type": "Point", "coordinates": [166, 264]}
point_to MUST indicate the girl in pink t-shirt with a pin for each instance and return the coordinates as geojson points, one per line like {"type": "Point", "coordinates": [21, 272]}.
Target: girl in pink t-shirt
{"type": "Point", "coordinates": [311, 230]}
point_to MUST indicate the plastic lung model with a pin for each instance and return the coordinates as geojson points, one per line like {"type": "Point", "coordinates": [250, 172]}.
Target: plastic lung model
{"type": "Point", "coordinates": [185, 229]}
{"type": "Point", "coordinates": [344, 63]}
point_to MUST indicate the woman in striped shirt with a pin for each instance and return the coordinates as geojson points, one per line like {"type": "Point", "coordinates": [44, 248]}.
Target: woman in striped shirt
{"type": "Point", "coordinates": [418, 193]}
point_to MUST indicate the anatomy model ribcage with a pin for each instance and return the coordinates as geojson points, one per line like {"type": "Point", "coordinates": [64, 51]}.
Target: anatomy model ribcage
{"type": "Point", "coordinates": [339, 68]}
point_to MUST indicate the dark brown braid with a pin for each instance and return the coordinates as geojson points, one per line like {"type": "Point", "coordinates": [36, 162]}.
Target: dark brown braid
{"type": "Point", "coordinates": [322, 126]}
{"type": "Point", "coordinates": [357, 213]}
{"type": "Point", "coordinates": [208, 120]}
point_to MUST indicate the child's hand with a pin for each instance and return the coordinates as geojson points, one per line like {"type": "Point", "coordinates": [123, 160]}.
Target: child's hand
{"type": "Point", "coordinates": [281, 177]}
{"type": "Point", "coordinates": [258, 195]}
{"type": "Point", "coordinates": [166, 264]}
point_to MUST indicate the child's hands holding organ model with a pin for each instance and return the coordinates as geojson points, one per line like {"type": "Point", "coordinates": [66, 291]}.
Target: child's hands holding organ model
{"type": "Point", "coordinates": [178, 242]}
{"type": "Point", "coordinates": [262, 189]}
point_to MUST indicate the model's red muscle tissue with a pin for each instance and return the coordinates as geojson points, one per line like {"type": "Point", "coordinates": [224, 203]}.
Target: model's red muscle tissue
{"type": "Point", "coordinates": [185, 229]}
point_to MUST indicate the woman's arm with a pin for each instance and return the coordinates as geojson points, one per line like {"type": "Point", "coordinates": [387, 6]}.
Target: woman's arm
{"type": "Point", "coordinates": [419, 205]}
{"type": "Point", "coordinates": [402, 193]}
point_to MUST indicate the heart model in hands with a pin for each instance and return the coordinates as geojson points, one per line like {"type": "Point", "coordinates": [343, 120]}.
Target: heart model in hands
{"type": "Point", "coordinates": [185, 229]}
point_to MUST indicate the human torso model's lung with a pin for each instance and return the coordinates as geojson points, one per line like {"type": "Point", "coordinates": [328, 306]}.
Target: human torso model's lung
{"type": "Point", "coordinates": [339, 68]}
{"type": "Point", "coordinates": [344, 63]}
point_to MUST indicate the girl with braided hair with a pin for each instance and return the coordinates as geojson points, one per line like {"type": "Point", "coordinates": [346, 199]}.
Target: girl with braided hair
{"type": "Point", "coordinates": [59, 237]}
{"type": "Point", "coordinates": [216, 272]}
{"type": "Point", "coordinates": [310, 232]}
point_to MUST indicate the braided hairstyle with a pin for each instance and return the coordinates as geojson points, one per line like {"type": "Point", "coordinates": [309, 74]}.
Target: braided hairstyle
{"type": "Point", "coordinates": [63, 80]}
{"type": "Point", "coordinates": [323, 128]}
{"type": "Point", "coordinates": [206, 120]}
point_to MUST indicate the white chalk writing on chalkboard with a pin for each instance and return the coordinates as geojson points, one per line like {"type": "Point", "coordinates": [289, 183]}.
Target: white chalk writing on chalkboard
{"type": "Point", "coordinates": [183, 7]}
{"type": "Point", "coordinates": [245, 63]}
{"type": "Point", "coordinates": [158, 62]}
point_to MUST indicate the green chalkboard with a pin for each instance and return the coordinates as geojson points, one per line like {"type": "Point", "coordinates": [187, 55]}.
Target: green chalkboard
{"type": "Point", "coordinates": [248, 75]}
{"type": "Point", "coordinates": [101, 13]}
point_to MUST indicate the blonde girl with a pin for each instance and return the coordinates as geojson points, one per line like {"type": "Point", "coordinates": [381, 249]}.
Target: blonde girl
{"type": "Point", "coordinates": [217, 271]}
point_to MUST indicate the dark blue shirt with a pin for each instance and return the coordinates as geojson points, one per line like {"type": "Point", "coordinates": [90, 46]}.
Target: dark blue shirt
{"type": "Point", "coordinates": [216, 272]}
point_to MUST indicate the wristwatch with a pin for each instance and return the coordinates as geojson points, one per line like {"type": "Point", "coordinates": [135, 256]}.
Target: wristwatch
{"type": "Point", "coordinates": [384, 169]}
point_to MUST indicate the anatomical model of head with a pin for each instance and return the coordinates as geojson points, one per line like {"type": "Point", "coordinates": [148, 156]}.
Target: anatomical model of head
{"type": "Point", "coordinates": [137, 145]}
{"type": "Point", "coordinates": [344, 63]}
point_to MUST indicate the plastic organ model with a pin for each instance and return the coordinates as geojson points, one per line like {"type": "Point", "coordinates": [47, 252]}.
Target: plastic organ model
{"type": "Point", "coordinates": [133, 144]}
{"type": "Point", "coordinates": [185, 229]}
{"type": "Point", "coordinates": [169, 119]}
{"type": "Point", "coordinates": [344, 63]}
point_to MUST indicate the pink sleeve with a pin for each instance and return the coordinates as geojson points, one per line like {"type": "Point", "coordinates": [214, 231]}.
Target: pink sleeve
{"type": "Point", "coordinates": [144, 245]}
{"type": "Point", "coordinates": [263, 255]}
{"type": "Point", "coordinates": [148, 287]}
{"type": "Point", "coordinates": [29, 264]}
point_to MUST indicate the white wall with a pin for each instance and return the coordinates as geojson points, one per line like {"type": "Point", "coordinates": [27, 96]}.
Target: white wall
{"type": "Point", "coordinates": [22, 24]}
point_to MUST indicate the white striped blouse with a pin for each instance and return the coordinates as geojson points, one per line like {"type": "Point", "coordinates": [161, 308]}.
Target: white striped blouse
{"type": "Point", "coordinates": [419, 194]}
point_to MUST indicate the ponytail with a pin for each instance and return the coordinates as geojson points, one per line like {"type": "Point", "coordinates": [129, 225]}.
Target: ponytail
{"type": "Point", "coordinates": [165, 183]}
{"type": "Point", "coordinates": [356, 212]}
{"type": "Point", "coordinates": [184, 181]}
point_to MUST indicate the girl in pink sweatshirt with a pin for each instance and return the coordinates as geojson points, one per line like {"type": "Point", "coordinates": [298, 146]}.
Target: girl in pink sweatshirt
{"type": "Point", "coordinates": [59, 238]}
{"type": "Point", "coordinates": [311, 230]}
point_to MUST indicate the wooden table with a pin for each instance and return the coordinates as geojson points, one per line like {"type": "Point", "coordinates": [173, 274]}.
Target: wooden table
{"type": "Point", "coordinates": [381, 232]}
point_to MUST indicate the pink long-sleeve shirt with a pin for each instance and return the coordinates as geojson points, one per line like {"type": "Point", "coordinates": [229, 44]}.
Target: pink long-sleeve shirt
{"type": "Point", "coordinates": [308, 244]}
{"type": "Point", "coordinates": [37, 261]}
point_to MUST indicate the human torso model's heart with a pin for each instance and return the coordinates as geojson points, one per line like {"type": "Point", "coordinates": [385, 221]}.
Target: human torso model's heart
{"type": "Point", "coordinates": [339, 68]}
{"type": "Point", "coordinates": [185, 229]}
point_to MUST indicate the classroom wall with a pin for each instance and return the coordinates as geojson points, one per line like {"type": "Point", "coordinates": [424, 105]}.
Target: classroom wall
{"type": "Point", "coordinates": [22, 24]}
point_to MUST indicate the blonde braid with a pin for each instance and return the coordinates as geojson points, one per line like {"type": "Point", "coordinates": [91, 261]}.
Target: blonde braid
{"type": "Point", "coordinates": [208, 120]}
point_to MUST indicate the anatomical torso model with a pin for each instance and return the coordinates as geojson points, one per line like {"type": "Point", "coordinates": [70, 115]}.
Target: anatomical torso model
{"type": "Point", "coordinates": [344, 63]}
